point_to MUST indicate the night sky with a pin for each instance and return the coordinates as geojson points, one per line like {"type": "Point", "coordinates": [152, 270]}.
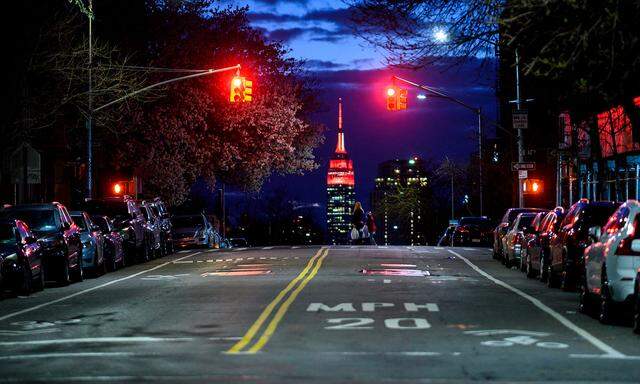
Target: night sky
{"type": "Point", "coordinates": [345, 66]}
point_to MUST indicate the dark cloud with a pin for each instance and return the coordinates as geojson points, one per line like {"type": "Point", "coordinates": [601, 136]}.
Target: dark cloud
{"type": "Point", "coordinates": [323, 65]}
{"type": "Point", "coordinates": [337, 16]}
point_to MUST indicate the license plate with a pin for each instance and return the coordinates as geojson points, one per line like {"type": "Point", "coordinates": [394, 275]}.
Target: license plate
{"type": "Point", "coordinates": [475, 240]}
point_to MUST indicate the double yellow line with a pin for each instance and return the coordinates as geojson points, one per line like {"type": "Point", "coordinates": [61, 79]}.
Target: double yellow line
{"type": "Point", "coordinates": [292, 289]}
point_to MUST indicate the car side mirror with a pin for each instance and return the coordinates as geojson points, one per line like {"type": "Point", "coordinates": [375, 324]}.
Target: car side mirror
{"type": "Point", "coordinates": [30, 240]}
{"type": "Point", "coordinates": [635, 245]}
{"type": "Point", "coordinates": [595, 233]}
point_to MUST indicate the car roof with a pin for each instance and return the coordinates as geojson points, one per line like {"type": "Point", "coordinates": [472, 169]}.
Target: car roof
{"type": "Point", "coordinates": [31, 207]}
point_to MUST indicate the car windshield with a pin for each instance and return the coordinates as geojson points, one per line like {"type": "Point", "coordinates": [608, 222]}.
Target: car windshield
{"type": "Point", "coordinates": [7, 234]}
{"type": "Point", "coordinates": [186, 221]}
{"type": "Point", "coordinates": [41, 220]}
{"type": "Point", "coordinates": [525, 221]}
{"type": "Point", "coordinates": [599, 214]}
{"type": "Point", "coordinates": [101, 222]}
{"type": "Point", "coordinates": [79, 220]}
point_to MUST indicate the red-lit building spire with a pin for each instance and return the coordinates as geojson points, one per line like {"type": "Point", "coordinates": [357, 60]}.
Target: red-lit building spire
{"type": "Point", "coordinates": [340, 148]}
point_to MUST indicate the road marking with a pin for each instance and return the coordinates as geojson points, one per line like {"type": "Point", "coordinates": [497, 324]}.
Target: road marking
{"type": "Point", "coordinates": [67, 354]}
{"type": "Point", "coordinates": [184, 251]}
{"type": "Point", "coordinates": [209, 260]}
{"type": "Point", "coordinates": [273, 325]}
{"type": "Point", "coordinates": [31, 309]}
{"type": "Point", "coordinates": [604, 356]}
{"type": "Point", "coordinates": [607, 349]}
{"type": "Point", "coordinates": [183, 262]}
{"type": "Point", "coordinates": [295, 247]}
{"type": "Point", "coordinates": [438, 248]}
{"type": "Point", "coordinates": [468, 249]}
{"type": "Point", "coordinates": [240, 249]}
{"type": "Point", "coordinates": [255, 327]}
{"type": "Point", "coordinates": [266, 248]}
{"type": "Point", "coordinates": [386, 281]}
{"type": "Point", "coordinates": [250, 258]}
{"type": "Point", "coordinates": [219, 260]}
{"type": "Point", "coordinates": [109, 340]}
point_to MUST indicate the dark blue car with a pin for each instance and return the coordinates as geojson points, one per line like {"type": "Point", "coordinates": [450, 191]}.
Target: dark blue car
{"type": "Point", "coordinates": [20, 258]}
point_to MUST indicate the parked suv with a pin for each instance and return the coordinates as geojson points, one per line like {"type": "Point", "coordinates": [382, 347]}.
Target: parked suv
{"type": "Point", "coordinates": [566, 262]}
{"type": "Point", "coordinates": [153, 227]}
{"type": "Point", "coordinates": [160, 209]}
{"type": "Point", "coordinates": [93, 260]}
{"type": "Point", "coordinates": [128, 219]}
{"type": "Point", "coordinates": [20, 258]}
{"type": "Point", "coordinates": [537, 254]}
{"type": "Point", "coordinates": [58, 236]}
{"type": "Point", "coordinates": [611, 263]}
{"type": "Point", "coordinates": [501, 230]}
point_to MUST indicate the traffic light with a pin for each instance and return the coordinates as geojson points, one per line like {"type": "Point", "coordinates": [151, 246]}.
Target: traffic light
{"type": "Point", "coordinates": [248, 91]}
{"type": "Point", "coordinates": [123, 187]}
{"type": "Point", "coordinates": [392, 98]}
{"type": "Point", "coordinates": [532, 186]}
{"type": "Point", "coordinates": [402, 99]}
{"type": "Point", "coordinates": [117, 188]}
{"type": "Point", "coordinates": [241, 90]}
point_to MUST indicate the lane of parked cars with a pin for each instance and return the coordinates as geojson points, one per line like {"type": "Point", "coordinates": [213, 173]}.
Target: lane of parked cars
{"type": "Point", "coordinates": [592, 248]}
{"type": "Point", "coordinates": [42, 243]}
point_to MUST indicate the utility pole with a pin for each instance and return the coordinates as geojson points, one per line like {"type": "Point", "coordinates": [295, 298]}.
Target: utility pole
{"type": "Point", "coordinates": [520, 138]}
{"type": "Point", "coordinates": [89, 121]}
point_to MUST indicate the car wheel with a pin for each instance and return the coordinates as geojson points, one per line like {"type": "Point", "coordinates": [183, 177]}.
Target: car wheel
{"type": "Point", "coordinates": [23, 288]}
{"type": "Point", "coordinates": [586, 301]}
{"type": "Point", "coordinates": [529, 269]}
{"type": "Point", "coordinates": [64, 277]}
{"type": "Point", "coordinates": [606, 304]}
{"type": "Point", "coordinates": [78, 273]}
{"type": "Point", "coordinates": [39, 283]}
{"type": "Point", "coordinates": [551, 278]}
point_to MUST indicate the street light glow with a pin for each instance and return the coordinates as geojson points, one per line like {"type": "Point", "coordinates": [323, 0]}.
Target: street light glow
{"type": "Point", "coordinates": [421, 96]}
{"type": "Point", "coordinates": [237, 82]}
{"type": "Point", "coordinates": [440, 35]}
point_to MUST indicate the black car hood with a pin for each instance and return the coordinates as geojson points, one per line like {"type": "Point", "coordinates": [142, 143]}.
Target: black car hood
{"type": "Point", "coordinates": [7, 249]}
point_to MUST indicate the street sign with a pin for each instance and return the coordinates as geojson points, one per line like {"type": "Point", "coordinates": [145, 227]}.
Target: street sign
{"type": "Point", "coordinates": [523, 166]}
{"type": "Point", "coordinates": [523, 174]}
{"type": "Point", "coordinates": [520, 119]}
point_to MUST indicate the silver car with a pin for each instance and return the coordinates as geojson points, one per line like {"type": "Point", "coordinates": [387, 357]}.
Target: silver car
{"type": "Point", "coordinates": [192, 231]}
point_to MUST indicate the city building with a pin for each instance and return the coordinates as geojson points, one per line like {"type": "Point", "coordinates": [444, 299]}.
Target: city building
{"type": "Point", "coordinates": [340, 189]}
{"type": "Point", "coordinates": [399, 202]}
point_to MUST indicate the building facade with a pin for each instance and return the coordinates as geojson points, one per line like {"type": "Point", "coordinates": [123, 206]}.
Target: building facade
{"type": "Point", "coordinates": [340, 190]}
{"type": "Point", "coordinates": [400, 200]}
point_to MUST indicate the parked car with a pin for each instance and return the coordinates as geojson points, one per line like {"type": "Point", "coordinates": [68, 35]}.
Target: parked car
{"type": "Point", "coordinates": [472, 231]}
{"type": "Point", "coordinates": [445, 239]}
{"type": "Point", "coordinates": [511, 250]}
{"type": "Point", "coordinates": [238, 242]}
{"type": "Point", "coordinates": [160, 209]}
{"type": "Point", "coordinates": [501, 230]}
{"type": "Point", "coordinates": [531, 233]}
{"type": "Point", "coordinates": [636, 303]}
{"type": "Point", "coordinates": [566, 262]}
{"type": "Point", "coordinates": [20, 258]}
{"type": "Point", "coordinates": [93, 260]}
{"type": "Point", "coordinates": [153, 226]}
{"type": "Point", "coordinates": [127, 218]}
{"type": "Point", "coordinates": [58, 236]}
{"type": "Point", "coordinates": [612, 263]}
{"type": "Point", "coordinates": [192, 231]}
{"type": "Point", "coordinates": [113, 243]}
{"type": "Point", "coordinates": [537, 254]}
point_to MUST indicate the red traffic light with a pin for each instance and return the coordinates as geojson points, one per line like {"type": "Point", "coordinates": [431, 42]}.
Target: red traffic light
{"type": "Point", "coordinates": [117, 188]}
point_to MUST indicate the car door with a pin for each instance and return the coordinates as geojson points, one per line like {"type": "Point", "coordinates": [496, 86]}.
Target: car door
{"type": "Point", "coordinates": [557, 244]}
{"type": "Point", "coordinates": [31, 251]}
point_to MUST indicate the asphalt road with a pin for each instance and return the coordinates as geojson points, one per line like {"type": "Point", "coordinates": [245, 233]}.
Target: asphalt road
{"type": "Point", "coordinates": [312, 314]}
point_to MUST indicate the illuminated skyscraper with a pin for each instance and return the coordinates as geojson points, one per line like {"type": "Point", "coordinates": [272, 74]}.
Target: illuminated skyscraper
{"type": "Point", "coordinates": [340, 190]}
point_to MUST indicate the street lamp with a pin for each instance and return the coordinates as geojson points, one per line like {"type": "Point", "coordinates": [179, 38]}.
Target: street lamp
{"type": "Point", "coordinates": [440, 35]}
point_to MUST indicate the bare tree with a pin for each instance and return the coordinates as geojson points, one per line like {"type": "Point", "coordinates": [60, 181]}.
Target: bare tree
{"type": "Point", "coordinates": [450, 170]}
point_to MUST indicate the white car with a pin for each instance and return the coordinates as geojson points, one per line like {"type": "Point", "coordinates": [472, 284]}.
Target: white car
{"type": "Point", "coordinates": [611, 263]}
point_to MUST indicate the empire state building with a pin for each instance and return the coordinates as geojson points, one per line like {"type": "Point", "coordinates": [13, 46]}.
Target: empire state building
{"type": "Point", "coordinates": [340, 189]}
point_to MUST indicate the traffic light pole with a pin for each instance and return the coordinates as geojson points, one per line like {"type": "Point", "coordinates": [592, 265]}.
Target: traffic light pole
{"type": "Point", "coordinates": [204, 72]}
{"type": "Point", "coordinates": [475, 110]}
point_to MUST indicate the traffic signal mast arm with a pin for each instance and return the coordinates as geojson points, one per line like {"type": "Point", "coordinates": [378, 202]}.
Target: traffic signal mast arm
{"type": "Point", "coordinates": [436, 93]}
{"type": "Point", "coordinates": [204, 72]}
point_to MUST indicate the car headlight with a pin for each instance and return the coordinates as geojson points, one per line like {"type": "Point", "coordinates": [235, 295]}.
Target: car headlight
{"type": "Point", "coordinates": [12, 258]}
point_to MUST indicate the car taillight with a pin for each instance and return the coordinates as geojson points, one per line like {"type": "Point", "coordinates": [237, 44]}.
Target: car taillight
{"type": "Point", "coordinates": [462, 229]}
